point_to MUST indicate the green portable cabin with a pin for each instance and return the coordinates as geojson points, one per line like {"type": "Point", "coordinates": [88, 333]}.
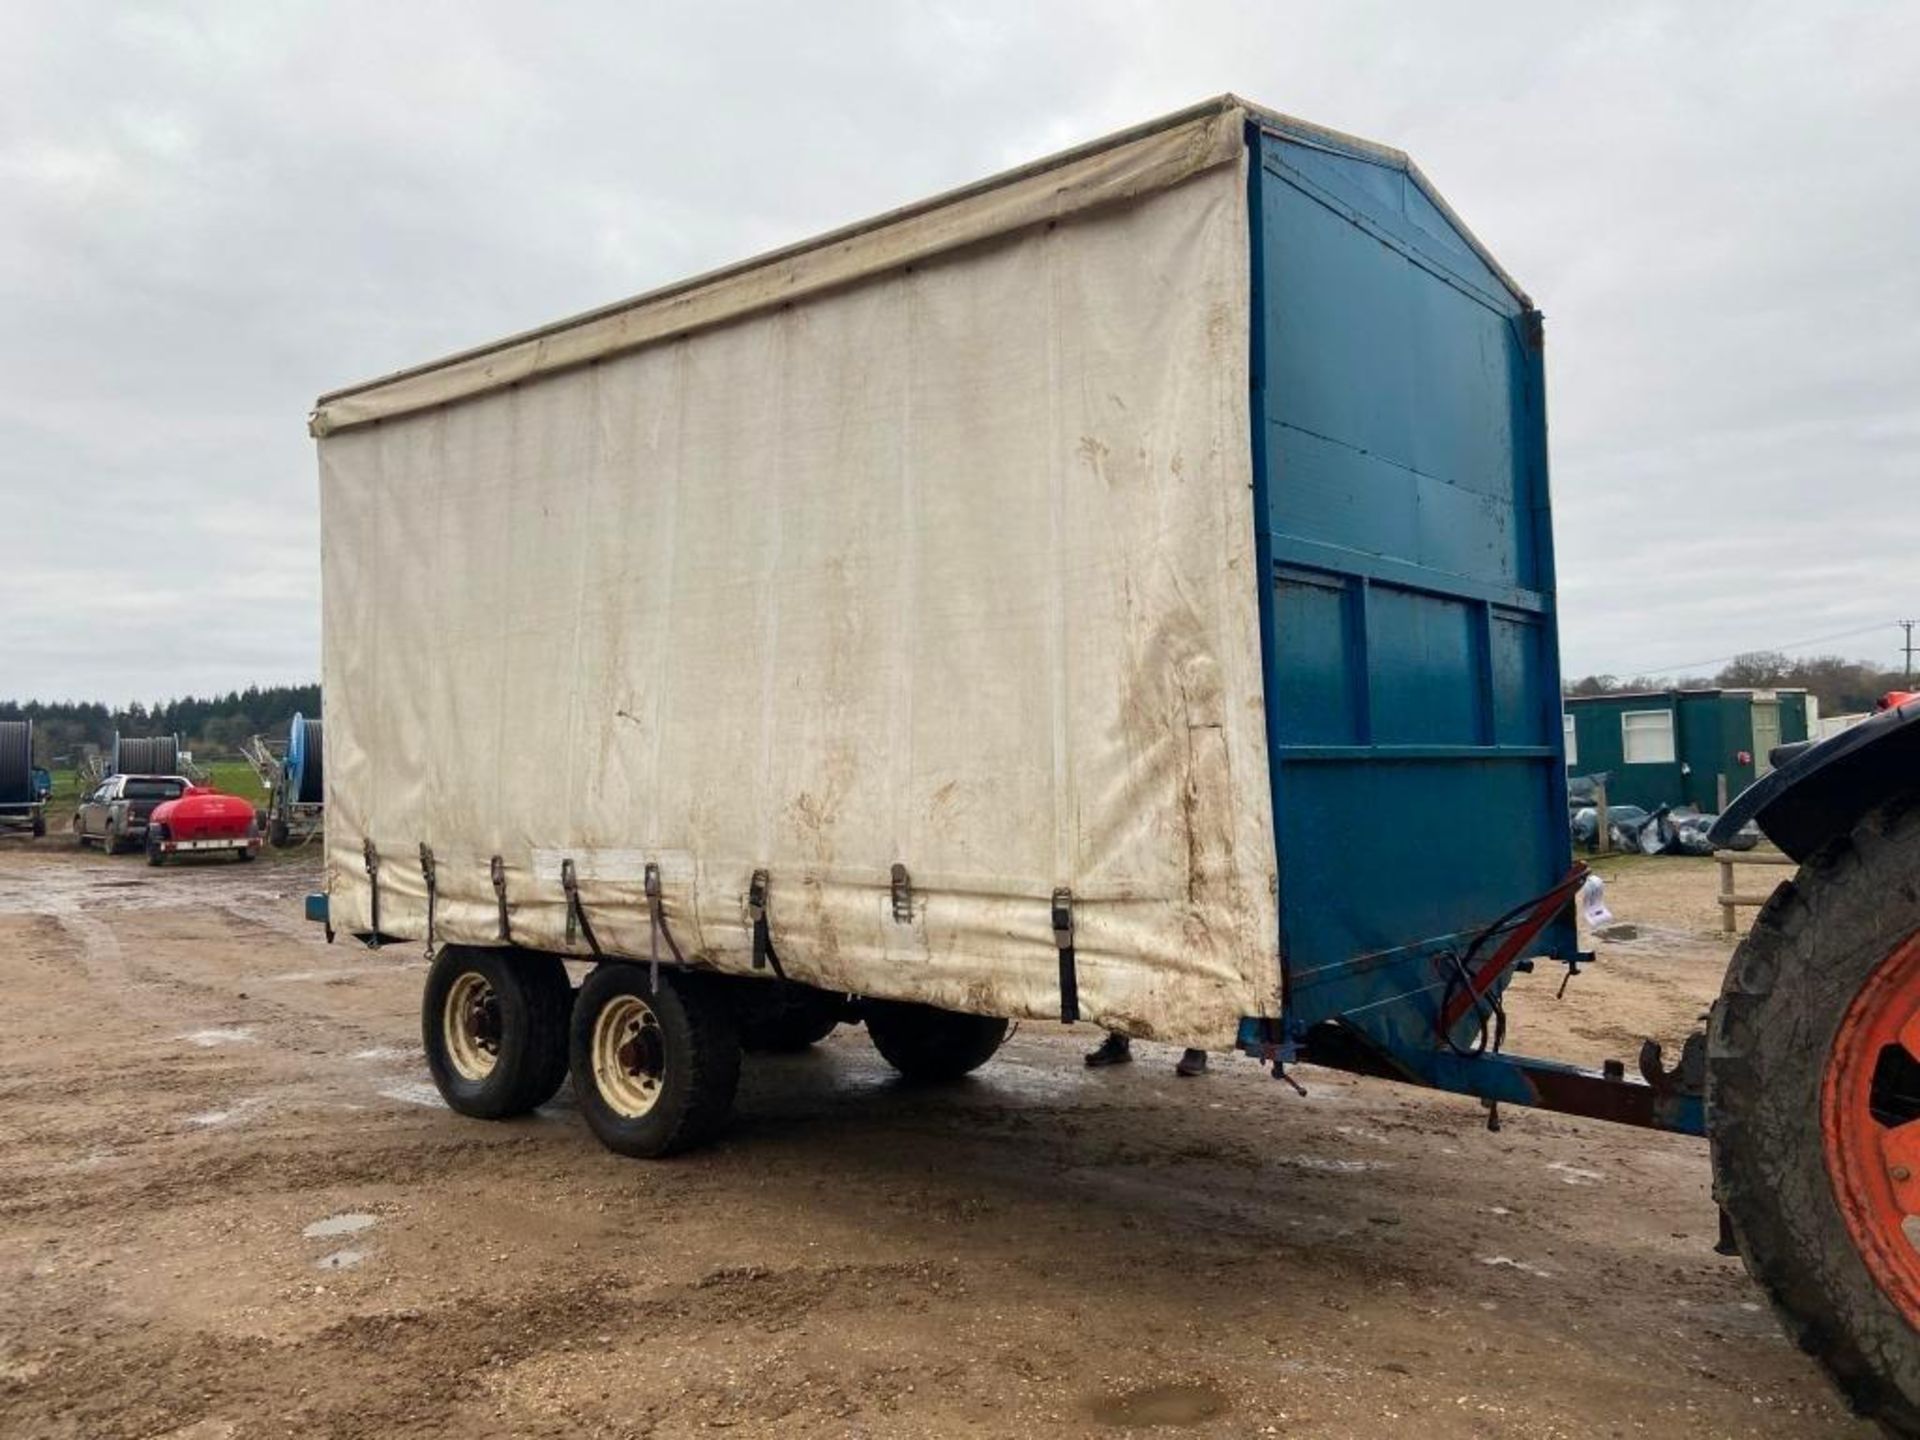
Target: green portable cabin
{"type": "Point", "coordinates": [1671, 747]}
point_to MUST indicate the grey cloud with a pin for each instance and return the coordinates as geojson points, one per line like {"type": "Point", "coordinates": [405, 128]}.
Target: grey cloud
{"type": "Point", "coordinates": [214, 212]}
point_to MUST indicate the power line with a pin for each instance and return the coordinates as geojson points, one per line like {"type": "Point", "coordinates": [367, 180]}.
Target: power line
{"type": "Point", "coordinates": [1790, 645]}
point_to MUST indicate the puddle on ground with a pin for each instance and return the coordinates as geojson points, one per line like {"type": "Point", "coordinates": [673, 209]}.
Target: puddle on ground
{"type": "Point", "coordinates": [334, 974]}
{"type": "Point", "coordinates": [239, 1110]}
{"type": "Point", "coordinates": [1508, 1262]}
{"type": "Point", "coordinates": [414, 1092]}
{"type": "Point", "coordinates": [1332, 1166]}
{"type": "Point", "coordinates": [224, 1035]}
{"type": "Point", "coordinates": [202, 1430]}
{"type": "Point", "coordinates": [1574, 1175]}
{"type": "Point", "coordinates": [1160, 1405]}
{"type": "Point", "coordinates": [340, 1260]}
{"type": "Point", "coordinates": [347, 1222]}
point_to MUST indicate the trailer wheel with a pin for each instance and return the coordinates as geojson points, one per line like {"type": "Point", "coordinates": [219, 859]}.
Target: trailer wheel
{"type": "Point", "coordinates": [655, 1070]}
{"type": "Point", "coordinates": [155, 855]}
{"type": "Point", "coordinates": [1813, 1096]}
{"type": "Point", "coordinates": [786, 1034]}
{"type": "Point", "coordinates": [927, 1044]}
{"type": "Point", "coordinates": [39, 824]}
{"type": "Point", "coordinates": [278, 835]}
{"type": "Point", "coordinates": [790, 1019]}
{"type": "Point", "coordinates": [494, 1024]}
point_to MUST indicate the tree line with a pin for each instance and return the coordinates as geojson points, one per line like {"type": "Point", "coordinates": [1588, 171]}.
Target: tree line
{"type": "Point", "coordinates": [219, 724]}
{"type": "Point", "coordinates": [1843, 687]}
{"type": "Point", "coordinates": [210, 725]}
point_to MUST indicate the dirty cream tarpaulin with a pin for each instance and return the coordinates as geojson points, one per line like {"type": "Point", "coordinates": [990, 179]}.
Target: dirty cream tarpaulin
{"type": "Point", "coordinates": [927, 546]}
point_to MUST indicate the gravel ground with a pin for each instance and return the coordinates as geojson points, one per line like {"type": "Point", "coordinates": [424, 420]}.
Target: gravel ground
{"type": "Point", "coordinates": [232, 1205]}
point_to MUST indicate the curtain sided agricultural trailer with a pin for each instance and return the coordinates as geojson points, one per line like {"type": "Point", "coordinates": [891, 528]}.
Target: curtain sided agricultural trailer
{"type": "Point", "coordinates": [1121, 590]}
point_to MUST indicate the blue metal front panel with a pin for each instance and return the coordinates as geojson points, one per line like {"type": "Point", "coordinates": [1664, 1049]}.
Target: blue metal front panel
{"type": "Point", "coordinates": [1412, 667]}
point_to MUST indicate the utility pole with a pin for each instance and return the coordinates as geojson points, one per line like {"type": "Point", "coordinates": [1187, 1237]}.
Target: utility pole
{"type": "Point", "coordinates": [1907, 625]}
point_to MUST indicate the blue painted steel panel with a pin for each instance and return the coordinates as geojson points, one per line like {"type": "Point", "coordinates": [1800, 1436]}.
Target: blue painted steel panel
{"type": "Point", "coordinates": [1412, 664]}
{"type": "Point", "coordinates": [1393, 845]}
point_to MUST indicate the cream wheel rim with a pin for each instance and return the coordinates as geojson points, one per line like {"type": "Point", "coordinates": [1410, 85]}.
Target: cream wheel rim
{"type": "Point", "coordinates": [629, 1056]}
{"type": "Point", "coordinates": [470, 1021]}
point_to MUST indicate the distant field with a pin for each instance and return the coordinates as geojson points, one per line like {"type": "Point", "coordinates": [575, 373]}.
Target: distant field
{"type": "Point", "coordinates": [235, 777]}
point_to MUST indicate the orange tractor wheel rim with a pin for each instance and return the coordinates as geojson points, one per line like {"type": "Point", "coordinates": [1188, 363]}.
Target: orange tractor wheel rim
{"type": "Point", "coordinates": [1870, 1121]}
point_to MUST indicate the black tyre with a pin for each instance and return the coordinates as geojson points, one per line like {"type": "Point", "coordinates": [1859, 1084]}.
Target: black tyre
{"type": "Point", "coordinates": [155, 855]}
{"type": "Point", "coordinates": [39, 824]}
{"type": "Point", "coordinates": [785, 1019]}
{"type": "Point", "coordinates": [494, 1023]}
{"type": "Point", "coordinates": [1811, 1104]}
{"type": "Point", "coordinates": [655, 1071]}
{"type": "Point", "coordinates": [926, 1044]}
{"type": "Point", "coordinates": [278, 835]}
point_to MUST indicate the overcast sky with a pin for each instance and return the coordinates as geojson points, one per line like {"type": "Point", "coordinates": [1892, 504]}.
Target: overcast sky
{"type": "Point", "coordinates": [211, 213]}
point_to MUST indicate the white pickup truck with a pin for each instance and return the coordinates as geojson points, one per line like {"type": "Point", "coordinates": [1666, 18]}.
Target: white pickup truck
{"type": "Point", "coordinates": [116, 813]}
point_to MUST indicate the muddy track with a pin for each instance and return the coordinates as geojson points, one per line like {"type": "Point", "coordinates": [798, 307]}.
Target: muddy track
{"type": "Point", "coordinates": [194, 1082]}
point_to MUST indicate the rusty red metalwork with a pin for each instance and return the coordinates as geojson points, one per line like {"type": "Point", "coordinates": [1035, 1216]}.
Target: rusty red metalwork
{"type": "Point", "coordinates": [1517, 939]}
{"type": "Point", "coordinates": [1873, 1159]}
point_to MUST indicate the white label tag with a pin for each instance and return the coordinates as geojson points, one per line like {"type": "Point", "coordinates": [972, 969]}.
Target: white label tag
{"type": "Point", "coordinates": [1593, 902]}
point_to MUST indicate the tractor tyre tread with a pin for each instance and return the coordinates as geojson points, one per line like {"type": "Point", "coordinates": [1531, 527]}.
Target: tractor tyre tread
{"type": "Point", "coordinates": [1813, 944]}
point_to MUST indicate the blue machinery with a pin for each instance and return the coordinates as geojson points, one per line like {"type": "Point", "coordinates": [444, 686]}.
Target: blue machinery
{"type": "Point", "coordinates": [1408, 631]}
{"type": "Point", "coordinates": [293, 776]}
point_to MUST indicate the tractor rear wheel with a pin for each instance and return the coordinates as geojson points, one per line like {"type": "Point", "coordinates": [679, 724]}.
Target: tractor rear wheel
{"type": "Point", "coordinates": [1813, 1108]}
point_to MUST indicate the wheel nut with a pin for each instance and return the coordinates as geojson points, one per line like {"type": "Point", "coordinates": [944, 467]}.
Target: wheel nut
{"type": "Point", "coordinates": [1900, 1172]}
